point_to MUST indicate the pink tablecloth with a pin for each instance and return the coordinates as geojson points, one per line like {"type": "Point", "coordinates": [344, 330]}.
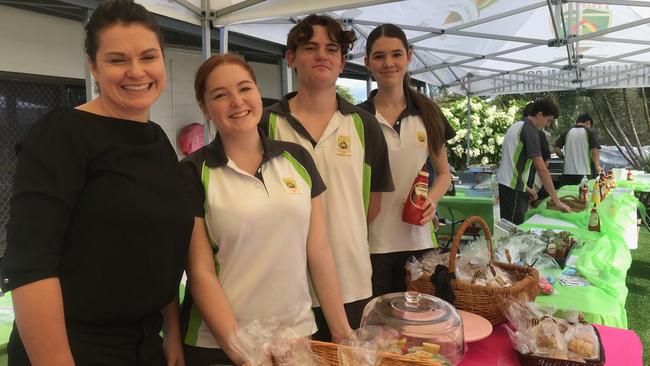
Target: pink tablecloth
{"type": "Point", "coordinates": [622, 348]}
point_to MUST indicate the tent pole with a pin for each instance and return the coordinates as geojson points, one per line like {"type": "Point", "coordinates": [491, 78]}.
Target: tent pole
{"type": "Point", "coordinates": [206, 52]}
{"type": "Point", "coordinates": [285, 75]}
{"type": "Point", "coordinates": [223, 39]}
{"type": "Point", "coordinates": [368, 85]}
{"type": "Point", "coordinates": [469, 116]}
{"type": "Point", "coordinates": [90, 81]}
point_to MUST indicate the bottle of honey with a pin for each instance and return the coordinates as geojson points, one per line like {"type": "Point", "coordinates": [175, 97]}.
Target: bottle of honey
{"type": "Point", "coordinates": [594, 220]}
{"type": "Point", "coordinates": [595, 193]}
{"type": "Point", "coordinates": [583, 189]}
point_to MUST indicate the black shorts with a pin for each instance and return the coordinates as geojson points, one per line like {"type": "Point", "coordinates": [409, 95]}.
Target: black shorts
{"type": "Point", "coordinates": [353, 310]}
{"type": "Point", "coordinates": [570, 180]}
{"type": "Point", "coordinates": [200, 356]}
{"type": "Point", "coordinates": [514, 204]}
{"type": "Point", "coordinates": [388, 273]}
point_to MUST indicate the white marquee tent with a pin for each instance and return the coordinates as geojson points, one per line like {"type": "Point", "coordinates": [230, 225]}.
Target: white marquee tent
{"type": "Point", "coordinates": [472, 47]}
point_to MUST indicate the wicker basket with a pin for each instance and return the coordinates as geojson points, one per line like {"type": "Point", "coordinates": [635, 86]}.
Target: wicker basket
{"type": "Point", "coordinates": [486, 301]}
{"type": "Point", "coordinates": [329, 355]}
{"type": "Point", "coordinates": [532, 360]}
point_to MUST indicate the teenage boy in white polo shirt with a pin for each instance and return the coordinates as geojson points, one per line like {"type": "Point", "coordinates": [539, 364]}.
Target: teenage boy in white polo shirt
{"type": "Point", "coordinates": [348, 147]}
{"type": "Point", "coordinates": [581, 151]}
{"type": "Point", "coordinates": [521, 150]}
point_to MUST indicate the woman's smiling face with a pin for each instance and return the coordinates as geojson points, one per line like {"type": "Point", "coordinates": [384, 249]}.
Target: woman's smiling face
{"type": "Point", "coordinates": [129, 70]}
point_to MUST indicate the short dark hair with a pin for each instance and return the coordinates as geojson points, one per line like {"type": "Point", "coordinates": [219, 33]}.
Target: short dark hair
{"type": "Point", "coordinates": [584, 118]}
{"type": "Point", "coordinates": [526, 111]}
{"type": "Point", "coordinates": [201, 77]}
{"type": "Point", "coordinates": [546, 106]}
{"type": "Point", "coordinates": [302, 32]}
{"type": "Point", "coordinates": [111, 12]}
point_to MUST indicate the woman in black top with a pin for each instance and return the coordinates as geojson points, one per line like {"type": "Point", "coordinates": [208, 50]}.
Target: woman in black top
{"type": "Point", "coordinates": [99, 223]}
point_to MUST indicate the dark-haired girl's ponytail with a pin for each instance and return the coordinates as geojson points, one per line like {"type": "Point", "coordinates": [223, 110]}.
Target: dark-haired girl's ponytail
{"type": "Point", "coordinates": [432, 118]}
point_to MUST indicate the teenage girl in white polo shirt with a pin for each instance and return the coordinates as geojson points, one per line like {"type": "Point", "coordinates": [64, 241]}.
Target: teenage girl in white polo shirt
{"type": "Point", "coordinates": [259, 227]}
{"type": "Point", "coordinates": [415, 130]}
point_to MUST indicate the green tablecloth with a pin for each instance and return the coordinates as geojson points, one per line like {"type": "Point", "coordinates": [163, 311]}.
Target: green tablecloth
{"type": "Point", "coordinates": [603, 259]}
{"type": "Point", "coordinates": [462, 206]}
{"type": "Point", "coordinates": [634, 185]}
{"type": "Point", "coordinates": [596, 306]}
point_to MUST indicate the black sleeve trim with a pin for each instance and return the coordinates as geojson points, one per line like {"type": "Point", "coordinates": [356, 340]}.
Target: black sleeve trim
{"type": "Point", "coordinates": [191, 168]}
{"type": "Point", "coordinates": [529, 135]}
{"type": "Point", "coordinates": [376, 154]}
{"type": "Point", "coordinates": [449, 131]}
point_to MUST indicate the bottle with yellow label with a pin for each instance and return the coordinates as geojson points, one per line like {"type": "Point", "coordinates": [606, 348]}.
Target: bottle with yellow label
{"type": "Point", "coordinates": [595, 193]}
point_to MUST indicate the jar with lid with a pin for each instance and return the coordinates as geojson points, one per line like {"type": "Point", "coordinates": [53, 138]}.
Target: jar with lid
{"type": "Point", "coordinates": [422, 321]}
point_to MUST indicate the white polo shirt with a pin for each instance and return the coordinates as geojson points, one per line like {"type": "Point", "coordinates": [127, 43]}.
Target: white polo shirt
{"type": "Point", "coordinates": [352, 158]}
{"type": "Point", "coordinates": [520, 145]}
{"type": "Point", "coordinates": [257, 226]}
{"type": "Point", "coordinates": [408, 153]}
{"type": "Point", "coordinates": [577, 143]}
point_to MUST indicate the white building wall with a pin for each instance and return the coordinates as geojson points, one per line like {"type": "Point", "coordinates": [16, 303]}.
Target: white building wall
{"type": "Point", "coordinates": [34, 43]}
{"type": "Point", "coordinates": [268, 79]}
{"type": "Point", "coordinates": [38, 44]}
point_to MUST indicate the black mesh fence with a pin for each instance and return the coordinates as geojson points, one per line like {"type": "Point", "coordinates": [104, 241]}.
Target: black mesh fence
{"type": "Point", "coordinates": [22, 103]}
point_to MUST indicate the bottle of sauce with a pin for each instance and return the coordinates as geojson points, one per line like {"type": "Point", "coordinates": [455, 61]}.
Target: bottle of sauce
{"type": "Point", "coordinates": [629, 174]}
{"type": "Point", "coordinates": [451, 191]}
{"type": "Point", "coordinates": [583, 189]}
{"type": "Point", "coordinates": [414, 205]}
{"type": "Point", "coordinates": [594, 220]}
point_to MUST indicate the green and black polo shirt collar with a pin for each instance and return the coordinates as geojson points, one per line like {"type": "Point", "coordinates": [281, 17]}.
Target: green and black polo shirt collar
{"type": "Point", "coordinates": [410, 110]}
{"type": "Point", "coordinates": [282, 109]}
{"type": "Point", "coordinates": [215, 155]}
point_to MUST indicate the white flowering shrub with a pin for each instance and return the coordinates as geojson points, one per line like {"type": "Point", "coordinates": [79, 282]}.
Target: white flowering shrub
{"type": "Point", "coordinates": [489, 124]}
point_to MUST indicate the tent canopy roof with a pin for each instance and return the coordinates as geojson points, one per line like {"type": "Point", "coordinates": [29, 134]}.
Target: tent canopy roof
{"type": "Point", "coordinates": [476, 47]}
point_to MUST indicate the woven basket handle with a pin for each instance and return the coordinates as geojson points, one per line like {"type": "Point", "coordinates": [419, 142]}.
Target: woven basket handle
{"type": "Point", "coordinates": [459, 234]}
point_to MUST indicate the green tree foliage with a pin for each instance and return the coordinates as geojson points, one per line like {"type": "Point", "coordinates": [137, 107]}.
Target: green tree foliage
{"type": "Point", "coordinates": [489, 123]}
{"type": "Point", "coordinates": [346, 93]}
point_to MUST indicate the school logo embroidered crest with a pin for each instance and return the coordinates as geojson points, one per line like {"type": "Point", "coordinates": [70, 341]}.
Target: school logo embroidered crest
{"type": "Point", "coordinates": [343, 145]}
{"type": "Point", "coordinates": [290, 183]}
{"type": "Point", "coordinates": [421, 138]}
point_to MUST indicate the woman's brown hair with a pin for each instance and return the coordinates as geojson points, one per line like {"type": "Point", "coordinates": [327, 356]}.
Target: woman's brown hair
{"type": "Point", "coordinates": [431, 114]}
{"type": "Point", "coordinates": [212, 63]}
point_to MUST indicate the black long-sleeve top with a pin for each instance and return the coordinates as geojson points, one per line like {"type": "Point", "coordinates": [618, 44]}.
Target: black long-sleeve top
{"type": "Point", "coordinates": [98, 203]}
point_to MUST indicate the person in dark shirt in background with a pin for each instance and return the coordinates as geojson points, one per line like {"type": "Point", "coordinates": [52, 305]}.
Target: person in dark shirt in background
{"type": "Point", "coordinates": [536, 190]}
{"type": "Point", "coordinates": [521, 151]}
{"type": "Point", "coordinates": [99, 220]}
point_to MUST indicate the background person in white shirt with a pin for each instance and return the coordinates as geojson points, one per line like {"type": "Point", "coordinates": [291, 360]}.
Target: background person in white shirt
{"type": "Point", "coordinates": [580, 149]}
